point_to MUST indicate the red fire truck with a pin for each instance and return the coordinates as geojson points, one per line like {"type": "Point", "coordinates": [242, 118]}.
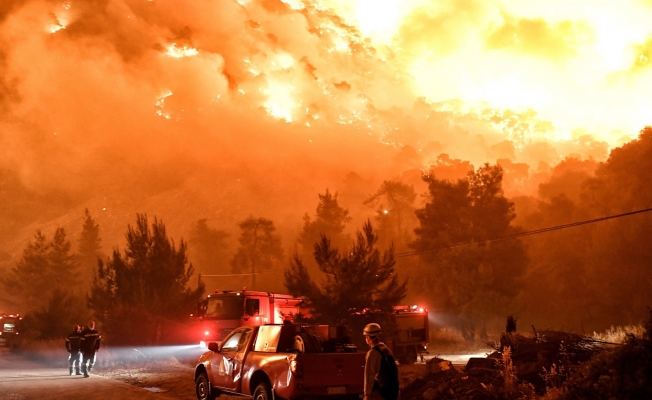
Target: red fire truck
{"type": "Point", "coordinates": [412, 334]}
{"type": "Point", "coordinates": [9, 326]}
{"type": "Point", "coordinates": [223, 311]}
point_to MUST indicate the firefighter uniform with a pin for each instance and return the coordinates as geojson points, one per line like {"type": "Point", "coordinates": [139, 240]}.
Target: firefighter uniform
{"type": "Point", "coordinates": [371, 370]}
{"type": "Point", "coordinates": [73, 343]}
{"type": "Point", "coordinates": [90, 343]}
{"type": "Point", "coordinates": [372, 362]}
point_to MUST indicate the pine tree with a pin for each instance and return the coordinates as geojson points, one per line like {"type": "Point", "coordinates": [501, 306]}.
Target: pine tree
{"type": "Point", "coordinates": [141, 294]}
{"type": "Point", "coordinates": [260, 248]}
{"type": "Point", "coordinates": [208, 247]}
{"type": "Point", "coordinates": [330, 220]}
{"type": "Point", "coordinates": [359, 285]}
{"type": "Point", "coordinates": [44, 267]}
{"type": "Point", "coordinates": [90, 248]}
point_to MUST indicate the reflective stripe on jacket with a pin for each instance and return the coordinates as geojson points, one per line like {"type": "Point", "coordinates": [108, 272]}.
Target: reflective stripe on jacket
{"type": "Point", "coordinates": [73, 342]}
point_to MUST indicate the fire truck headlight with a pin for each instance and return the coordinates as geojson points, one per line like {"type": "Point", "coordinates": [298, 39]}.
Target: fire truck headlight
{"type": "Point", "coordinates": [421, 309]}
{"type": "Point", "coordinates": [203, 345]}
{"type": "Point", "coordinates": [207, 333]}
{"type": "Point", "coordinates": [414, 307]}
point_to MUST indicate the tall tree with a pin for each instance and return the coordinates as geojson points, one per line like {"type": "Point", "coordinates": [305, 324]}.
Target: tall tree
{"type": "Point", "coordinates": [90, 248]}
{"type": "Point", "coordinates": [139, 295]}
{"type": "Point", "coordinates": [208, 247]}
{"type": "Point", "coordinates": [330, 220]}
{"type": "Point", "coordinates": [260, 248]}
{"type": "Point", "coordinates": [394, 202]}
{"type": "Point", "coordinates": [478, 281]}
{"type": "Point", "coordinates": [59, 312]}
{"type": "Point", "coordinates": [44, 267]}
{"type": "Point", "coordinates": [359, 284]}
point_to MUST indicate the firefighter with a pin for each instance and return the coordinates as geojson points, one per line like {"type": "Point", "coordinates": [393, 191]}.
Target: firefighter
{"type": "Point", "coordinates": [90, 343]}
{"type": "Point", "coordinates": [380, 371]}
{"type": "Point", "coordinates": [72, 345]}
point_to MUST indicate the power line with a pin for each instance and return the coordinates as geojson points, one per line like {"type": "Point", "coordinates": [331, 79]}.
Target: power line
{"type": "Point", "coordinates": [526, 233]}
{"type": "Point", "coordinates": [254, 273]}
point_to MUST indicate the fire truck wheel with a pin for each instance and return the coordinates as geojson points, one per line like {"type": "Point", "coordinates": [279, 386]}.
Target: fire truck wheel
{"type": "Point", "coordinates": [203, 388]}
{"type": "Point", "coordinates": [262, 392]}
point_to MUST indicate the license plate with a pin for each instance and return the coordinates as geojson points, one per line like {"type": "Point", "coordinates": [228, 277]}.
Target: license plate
{"type": "Point", "coordinates": [336, 390]}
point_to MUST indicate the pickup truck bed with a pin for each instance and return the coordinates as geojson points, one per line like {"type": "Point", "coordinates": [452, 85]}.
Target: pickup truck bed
{"type": "Point", "coordinates": [282, 361]}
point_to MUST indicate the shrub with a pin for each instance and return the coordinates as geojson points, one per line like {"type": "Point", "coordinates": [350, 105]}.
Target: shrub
{"type": "Point", "coordinates": [623, 372]}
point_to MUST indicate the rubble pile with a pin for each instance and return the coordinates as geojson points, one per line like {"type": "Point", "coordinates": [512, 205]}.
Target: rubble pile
{"type": "Point", "coordinates": [442, 380]}
{"type": "Point", "coordinates": [547, 355]}
{"type": "Point", "coordinates": [529, 366]}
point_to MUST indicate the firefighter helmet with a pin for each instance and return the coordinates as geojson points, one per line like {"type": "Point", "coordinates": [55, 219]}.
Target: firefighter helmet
{"type": "Point", "coordinates": [372, 329]}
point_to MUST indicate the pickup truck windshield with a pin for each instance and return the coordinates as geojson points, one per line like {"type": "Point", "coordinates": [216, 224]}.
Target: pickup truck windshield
{"type": "Point", "coordinates": [225, 307]}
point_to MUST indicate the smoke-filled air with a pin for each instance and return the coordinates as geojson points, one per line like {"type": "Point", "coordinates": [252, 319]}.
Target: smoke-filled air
{"type": "Point", "coordinates": [445, 125]}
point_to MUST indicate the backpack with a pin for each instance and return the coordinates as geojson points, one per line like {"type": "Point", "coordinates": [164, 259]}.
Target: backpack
{"type": "Point", "coordinates": [387, 380]}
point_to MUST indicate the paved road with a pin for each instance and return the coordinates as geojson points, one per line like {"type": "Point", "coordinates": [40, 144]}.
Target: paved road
{"type": "Point", "coordinates": [21, 379]}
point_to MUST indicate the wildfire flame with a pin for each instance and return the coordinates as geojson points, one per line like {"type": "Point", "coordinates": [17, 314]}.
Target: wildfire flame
{"type": "Point", "coordinates": [179, 52]}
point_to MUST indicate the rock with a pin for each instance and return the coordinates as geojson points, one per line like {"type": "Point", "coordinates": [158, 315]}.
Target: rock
{"type": "Point", "coordinates": [442, 365]}
{"type": "Point", "coordinates": [430, 394]}
{"type": "Point", "coordinates": [484, 374]}
{"type": "Point", "coordinates": [481, 362]}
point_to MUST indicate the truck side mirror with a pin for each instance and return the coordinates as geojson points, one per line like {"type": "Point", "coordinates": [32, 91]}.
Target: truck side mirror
{"type": "Point", "coordinates": [214, 347]}
{"type": "Point", "coordinates": [202, 305]}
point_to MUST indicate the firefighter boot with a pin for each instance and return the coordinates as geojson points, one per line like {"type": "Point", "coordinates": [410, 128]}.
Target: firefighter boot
{"type": "Point", "coordinates": [71, 370]}
{"type": "Point", "coordinates": [77, 371]}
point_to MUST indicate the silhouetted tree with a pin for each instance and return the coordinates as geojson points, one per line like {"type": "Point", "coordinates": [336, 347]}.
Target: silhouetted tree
{"type": "Point", "coordinates": [330, 220]}
{"type": "Point", "coordinates": [260, 248]}
{"type": "Point", "coordinates": [58, 314]}
{"type": "Point", "coordinates": [476, 281]}
{"type": "Point", "coordinates": [394, 202]}
{"type": "Point", "coordinates": [138, 295]}
{"type": "Point", "coordinates": [359, 284]}
{"type": "Point", "coordinates": [208, 247]}
{"type": "Point", "coordinates": [600, 271]}
{"type": "Point", "coordinates": [90, 248]}
{"type": "Point", "coordinates": [44, 267]}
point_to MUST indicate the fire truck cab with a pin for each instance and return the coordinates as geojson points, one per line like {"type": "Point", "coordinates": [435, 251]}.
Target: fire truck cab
{"type": "Point", "coordinates": [223, 311]}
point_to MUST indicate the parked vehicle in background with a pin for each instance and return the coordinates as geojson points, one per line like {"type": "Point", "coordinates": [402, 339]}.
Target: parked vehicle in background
{"type": "Point", "coordinates": [287, 361]}
{"type": "Point", "coordinates": [9, 328]}
{"type": "Point", "coordinates": [412, 336]}
{"type": "Point", "coordinates": [223, 311]}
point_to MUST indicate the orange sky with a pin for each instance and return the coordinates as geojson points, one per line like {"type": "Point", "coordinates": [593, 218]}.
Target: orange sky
{"type": "Point", "coordinates": [144, 97]}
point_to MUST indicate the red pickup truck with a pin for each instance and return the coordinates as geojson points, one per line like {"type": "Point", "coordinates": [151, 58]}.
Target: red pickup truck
{"type": "Point", "coordinates": [287, 361]}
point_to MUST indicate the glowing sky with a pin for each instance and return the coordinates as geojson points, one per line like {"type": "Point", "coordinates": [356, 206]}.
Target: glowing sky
{"type": "Point", "coordinates": [579, 64]}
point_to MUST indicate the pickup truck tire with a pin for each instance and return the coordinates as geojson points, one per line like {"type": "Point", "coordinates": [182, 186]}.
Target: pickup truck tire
{"type": "Point", "coordinates": [263, 392]}
{"type": "Point", "coordinates": [203, 388]}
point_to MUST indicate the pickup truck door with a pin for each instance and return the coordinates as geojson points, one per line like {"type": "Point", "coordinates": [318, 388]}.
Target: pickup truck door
{"type": "Point", "coordinates": [227, 363]}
